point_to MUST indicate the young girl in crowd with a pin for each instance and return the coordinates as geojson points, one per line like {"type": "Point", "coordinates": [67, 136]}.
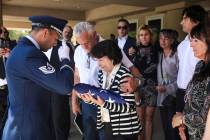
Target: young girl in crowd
{"type": "Point", "coordinates": [146, 61]}
{"type": "Point", "coordinates": [197, 98]}
{"type": "Point", "coordinates": [115, 121]}
{"type": "Point", "coordinates": [167, 81]}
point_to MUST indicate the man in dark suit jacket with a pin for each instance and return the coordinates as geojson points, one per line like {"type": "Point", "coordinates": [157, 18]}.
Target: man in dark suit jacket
{"type": "Point", "coordinates": [125, 42]}
{"type": "Point", "coordinates": [60, 103]}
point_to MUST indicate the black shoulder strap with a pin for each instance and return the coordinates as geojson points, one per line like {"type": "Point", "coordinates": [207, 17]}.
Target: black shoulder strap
{"type": "Point", "coordinates": [161, 65]}
{"type": "Point", "coordinates": [208, 87]}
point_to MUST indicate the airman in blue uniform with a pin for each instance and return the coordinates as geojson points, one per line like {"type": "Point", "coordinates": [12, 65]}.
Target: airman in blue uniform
{"type": "Point", "coordinates": [30, 77]}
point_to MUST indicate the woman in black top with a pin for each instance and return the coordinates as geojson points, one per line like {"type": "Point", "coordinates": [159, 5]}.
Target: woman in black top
{"type": "Point", "coordinates": [146, 61]}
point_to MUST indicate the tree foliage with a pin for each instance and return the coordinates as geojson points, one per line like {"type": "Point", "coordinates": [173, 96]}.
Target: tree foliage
{"type": "Point", "coordinates": [16, 34]}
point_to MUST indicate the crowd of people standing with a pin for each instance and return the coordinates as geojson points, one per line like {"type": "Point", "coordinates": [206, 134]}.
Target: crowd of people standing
{"type": "Point", "coordinates": [166, 75]}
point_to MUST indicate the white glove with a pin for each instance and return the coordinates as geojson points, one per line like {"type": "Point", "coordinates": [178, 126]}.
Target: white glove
{"type": "Point", "coordinates": [3, 82]}
{"type": "Point", "coordinates": [63, 51]}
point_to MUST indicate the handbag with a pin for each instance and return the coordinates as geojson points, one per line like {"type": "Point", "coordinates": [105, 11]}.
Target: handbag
{"type": "Point", "coordinates": [170, 100]}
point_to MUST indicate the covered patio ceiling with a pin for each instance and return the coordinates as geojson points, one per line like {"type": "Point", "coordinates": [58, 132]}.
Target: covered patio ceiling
{"type": "Point", "coordinates": [75, 10]}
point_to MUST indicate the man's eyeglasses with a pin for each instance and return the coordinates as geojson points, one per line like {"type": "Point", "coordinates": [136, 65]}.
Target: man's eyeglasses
{"type": "Point", "coordinates": [122, 27]}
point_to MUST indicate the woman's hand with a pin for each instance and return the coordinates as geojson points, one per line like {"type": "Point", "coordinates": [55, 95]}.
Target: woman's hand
{"type": "Point", "coordinates": [4, 52]}
{"type": "Point", "coordinates": [130, 85]}
{"type": "Point", "coordinates": [7, 52]}
{"type": "Point", "coordinates": [131, 51]}
{"type": "Point", "coordinates": [87, 97]}
{"type": "Point", "coordinates": [97, 101]}
{"type": "Point", "coordinates": [177, 120]}
{"type": "Point", "coordinates": [161, 88]}
{"type": "Point", "coordinates": [182, 132]}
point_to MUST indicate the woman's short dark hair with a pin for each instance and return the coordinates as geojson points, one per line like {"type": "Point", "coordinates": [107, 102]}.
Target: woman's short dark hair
{"type": "Point", "coordinates": [107, 48]}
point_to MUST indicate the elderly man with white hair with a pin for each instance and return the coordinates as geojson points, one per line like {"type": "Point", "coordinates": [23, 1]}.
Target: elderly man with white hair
{"type": "Point", "coordinates": [86, 71]}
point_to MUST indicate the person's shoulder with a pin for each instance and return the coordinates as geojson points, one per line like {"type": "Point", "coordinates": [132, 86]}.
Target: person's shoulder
{"type": "Point", "coordinates": [124, 69]}
{"type": "Point", "coordinates": [123, 72]}
{"type": "Point", "coordinates": [28, 50]}
{"type": "Point", "coordinates": [20, 54]}
{"type": "Point", "coordinates": [78, 54]}
{"type": "Point", "coordinates": [13, 43]}
{"type": "Point", "coordinates": [24, 47]}
{"type": "Point", "coordinates": [184, 43]}
{"type": "Point", "coordinates": [78, 47]}
{"type": "Point", "coordinates": [78, 50]}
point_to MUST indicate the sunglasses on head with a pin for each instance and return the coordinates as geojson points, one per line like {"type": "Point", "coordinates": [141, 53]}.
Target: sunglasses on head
{"type": "Point", "coordinates": [122, 27]}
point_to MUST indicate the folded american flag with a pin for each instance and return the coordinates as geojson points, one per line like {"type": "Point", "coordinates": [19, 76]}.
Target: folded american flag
{"type": "Point", "coordinates": [106, 95]}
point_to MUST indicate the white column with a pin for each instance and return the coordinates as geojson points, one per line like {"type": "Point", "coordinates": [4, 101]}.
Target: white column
{"type": "Point", "coordinates": [1, 17]}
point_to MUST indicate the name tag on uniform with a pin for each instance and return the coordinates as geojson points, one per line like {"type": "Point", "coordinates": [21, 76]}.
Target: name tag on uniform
{"type": "Point", "coordinates": [47, 69]}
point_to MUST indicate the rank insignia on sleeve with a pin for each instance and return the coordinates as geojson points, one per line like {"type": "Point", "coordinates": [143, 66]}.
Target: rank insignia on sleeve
{"type": "Point", "coordinates": [47, 69]}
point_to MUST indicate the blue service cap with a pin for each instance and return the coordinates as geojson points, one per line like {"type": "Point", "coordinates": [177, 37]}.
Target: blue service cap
{"type": "Point", "coordinates": [48, 22]}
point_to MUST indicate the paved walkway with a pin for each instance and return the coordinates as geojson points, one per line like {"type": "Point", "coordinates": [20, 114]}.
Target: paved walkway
{"type": "Point", "coordinates": [157, 129]}
{"type": "Point", "coordinates": [74, 134]}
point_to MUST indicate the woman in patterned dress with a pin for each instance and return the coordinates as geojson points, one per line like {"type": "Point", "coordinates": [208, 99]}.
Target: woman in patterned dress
{"type": "Point", "coordinates": [197, 98]}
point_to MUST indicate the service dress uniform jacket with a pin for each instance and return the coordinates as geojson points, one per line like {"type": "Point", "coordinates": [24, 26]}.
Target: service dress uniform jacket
{"type": "Point", "coordinates": [31, 78]}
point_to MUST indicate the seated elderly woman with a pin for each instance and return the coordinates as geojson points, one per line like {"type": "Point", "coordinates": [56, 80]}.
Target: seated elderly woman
{"type": "Point", "coordinates": [197, 98]}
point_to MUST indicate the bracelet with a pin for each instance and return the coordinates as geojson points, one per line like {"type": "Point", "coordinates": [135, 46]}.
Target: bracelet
{"type": "Point", "coordinates": [140, 79]}
{"type": "Point", "coordinates": [137, 103]}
